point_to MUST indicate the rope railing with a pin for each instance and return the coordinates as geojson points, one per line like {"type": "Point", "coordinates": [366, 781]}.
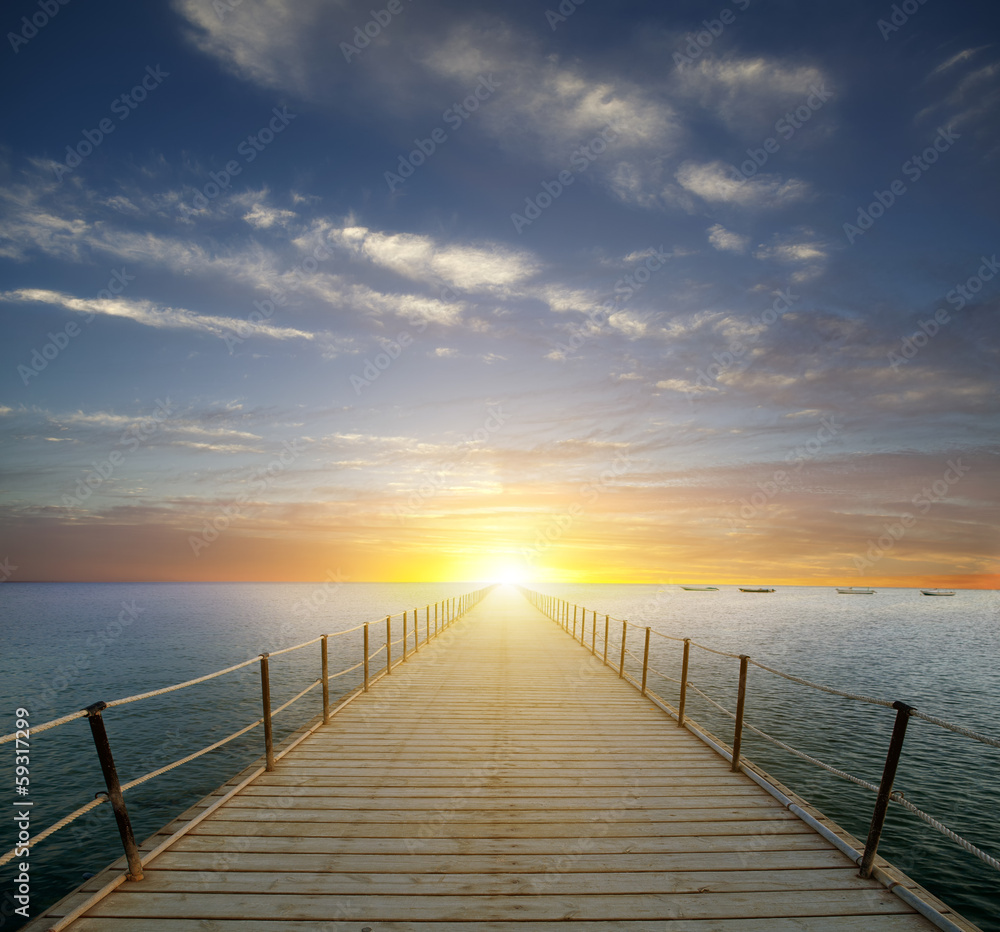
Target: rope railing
{"type": "Point", "coordinates": [895, 796]}
{"type": "Point", "coordinates": [958, 729]}
{"type": "Point", "coordinates": [565, 614]}
{"type": "Point", "coordinates": [449, 610]}
{"type": "Point", "coordinates": [825, 689]}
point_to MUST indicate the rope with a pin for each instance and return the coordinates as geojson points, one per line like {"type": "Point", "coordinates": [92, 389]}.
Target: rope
{"type": "Point", "coordinates": [337, 634]}
{"type": "Point", "coordinates": [35, 729]}
{"type": "Point", "coordinates": [826, 689]}
{"type": "Point", "coordinates": [379, 651]}
{"type": "Point", "coordinates": [333, 676]}
{"type": "Point", "coordinates": [958, 729]}
{"type": "Point", "coordinates": [812, 760]}
{"type": "Point", "coordinates": [281, 708]}
{"type": "Point", "coordinates": [944, 830]}
{"type": "Point", "coordinates": [712, 650]}
{"type": "Point", "coordinates": [788, 747]}
{"type": "Point", "coordinates": [285, 650]}
{"type": "Point", "coordinates": [170, 689]}
{"type": "Point", "coordinates": [895, 797]}
{"type": "Point", "coordinates": [52, 829]}
{"type": "Point", "coordinates": [667, 637]}
{"type": "Point", "coordinates": [190, 757]}
{"type": "Point", "coordinates": [711, 700]}
{"type": "Point", "coordinates": [653, 669]}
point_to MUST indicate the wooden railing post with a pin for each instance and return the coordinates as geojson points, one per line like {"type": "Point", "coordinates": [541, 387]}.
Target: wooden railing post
{"type": "Point", "coordinates": [416, 630]}
{"type": "Point", "coordinates": [404, 636]}
{"type": "Point", "coordinates": [684, 682]}
{"type": "Point", "coordinates": [435, 619]}
{"type": "Point", "coordinates": [645, 662]}
{"type": "Point", "coordinates": [741, 700]}
{"type": "Point", "coordinates": [388, 643]}
{"type": "Point", "coordinates": [593, 635]}
{"type": "Point", "coordinates": [903, 712]}
{"type": "Point", "coordinates": [265, 698]}
{"type": "Point", "coordinates": [427, 621]}
{"type": "Point", "coordinates": [366, 656]}
{"type": "Point", "coordinates": [583, 624]}
{"type": "Point", "coordinates": [621, 666]}
{"type": "Point", "coordinates": [324, 665]}
{"type": "Point", "coordinates": [574, 622]}
{"type": "Point", "coordinates": [607, 620]}
{"type": "Point", "coordinates": [115, 797]}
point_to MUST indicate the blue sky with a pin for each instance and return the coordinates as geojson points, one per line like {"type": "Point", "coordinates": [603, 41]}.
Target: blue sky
{"type": "Point", "coordinates": [698, 291]}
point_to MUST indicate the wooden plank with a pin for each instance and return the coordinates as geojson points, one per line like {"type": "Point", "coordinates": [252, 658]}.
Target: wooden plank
{"type": "Point", "coordinates": [497, 883]}
{"type": "Point", "coordinates": [458, 864]}
{"type": "Point", "coordinates": [883, 923]}
{"type": "Point", "coordinates": [500, 829]}
{"type": "Point", "coordinates": [531, 908]}
{"type": "Point", "coordinates": [466, 811]}
{"type": "Point", "coordinates": [554, 796]}
{"type": "Point", "coordinates": [498, 799]}
{"type": "Point", "coordinates": [792, 836]}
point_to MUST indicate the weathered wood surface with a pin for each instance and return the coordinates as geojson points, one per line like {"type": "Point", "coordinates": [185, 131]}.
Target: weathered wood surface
{"type": "Point", "coordinates": [501, 780]}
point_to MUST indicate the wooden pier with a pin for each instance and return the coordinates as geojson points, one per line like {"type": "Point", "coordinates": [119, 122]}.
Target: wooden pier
{"type": "Point", "coordinates": [502, 779]}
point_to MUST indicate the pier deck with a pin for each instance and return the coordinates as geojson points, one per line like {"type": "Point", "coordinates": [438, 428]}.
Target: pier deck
{"type": "Point", "coordinates": [501, 779]}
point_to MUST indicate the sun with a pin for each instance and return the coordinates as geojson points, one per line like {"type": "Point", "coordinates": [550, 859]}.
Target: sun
{"type": "Point", "coordinates": [510, 574]}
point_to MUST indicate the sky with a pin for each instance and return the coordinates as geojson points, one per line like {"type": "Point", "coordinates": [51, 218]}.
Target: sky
{"type": "Point", "coordinates": [584, 291]}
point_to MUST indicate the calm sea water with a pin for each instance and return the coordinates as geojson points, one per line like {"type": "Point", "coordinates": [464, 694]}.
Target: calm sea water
{"type": "Point", "coordinates": [66, 646]}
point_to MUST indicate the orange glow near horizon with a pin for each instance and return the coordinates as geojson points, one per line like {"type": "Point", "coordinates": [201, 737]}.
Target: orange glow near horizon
{"type": "Point", "coordinates": [597, 551]}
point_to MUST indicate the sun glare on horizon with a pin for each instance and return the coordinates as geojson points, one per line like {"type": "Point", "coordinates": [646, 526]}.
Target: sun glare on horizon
{"type": "Point", "coordinates": [511, 575]}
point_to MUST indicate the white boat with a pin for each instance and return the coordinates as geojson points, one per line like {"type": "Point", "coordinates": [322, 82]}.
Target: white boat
{"type": "Point", "coordinates": [937, 591]}
{"type": "Point", "coordinates": [854, 590]}
{"type": "Point", "coordinates": [701, 588]}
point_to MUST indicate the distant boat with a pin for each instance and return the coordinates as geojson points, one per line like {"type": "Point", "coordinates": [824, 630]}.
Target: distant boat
{"type": "Point", "coordinates": [855, 590]}
{"type": "Point", "coordinates": [701, 588]}
{"type": "Point", "coordinates": [937, 592]}
{"type": "Point", "coordinates": [755, 590]}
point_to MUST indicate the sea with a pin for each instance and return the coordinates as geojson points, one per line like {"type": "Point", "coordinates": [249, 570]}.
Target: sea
{"type": "Point", "coordinates": [65, 646]}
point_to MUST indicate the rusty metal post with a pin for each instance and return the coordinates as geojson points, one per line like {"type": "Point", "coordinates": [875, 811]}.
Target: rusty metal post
{"type": "Point", "coordinates": [115, 797]}
{"type": "Point", "coordinates": [265, 698]}
{"type": "Point", "coordinates": [366, 656]}
{"type": "Point", "coordinates": [684, 683]}
{"type": "Point", "coordinates": [903, 712]}
{"type": "Point", "coordinates": [741, 699]}
{"type": "Point", "coordinates": [621, 666]}
{"type": "Point", "coordinates": [645, 662]}
{"type": "Point", "coordinates": [388, 643]}
{"type": "Point", "coordinates": [324, 665]}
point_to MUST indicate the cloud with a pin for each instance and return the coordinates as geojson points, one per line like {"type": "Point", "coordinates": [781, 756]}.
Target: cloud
{"type": "Point", "coordinates": [748, 95]}
{"type": "Point", "coordinates": [718, 183]}
{"type": "Point", "coordinates": [800, 248]}
{"type": "Point", "coordinates": [542, 110]}
{"type": "Point", "coordinates": [268, 44]}
{"type": "Point", "coordinates": [726, 241]}
{"type": "Point", "coordinates": [486, 267]}
{"type": "Point", "coordinates": [261, 217]}
{"type": "Point", "coordinates": [149, 314]}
